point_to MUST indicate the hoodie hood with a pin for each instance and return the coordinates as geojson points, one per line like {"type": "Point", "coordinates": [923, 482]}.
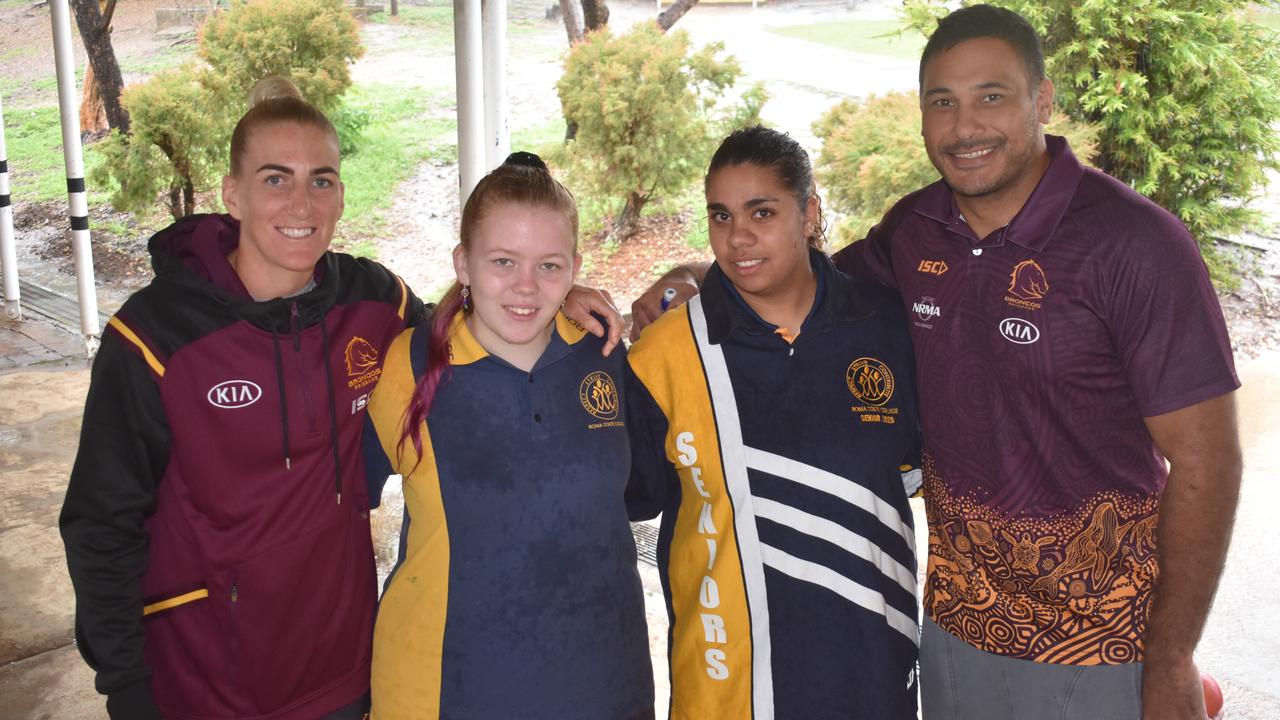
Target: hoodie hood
{"type": "Point", "coordinates": [198, 245]}
{"type": "Point", "coordinates": [192, 253]}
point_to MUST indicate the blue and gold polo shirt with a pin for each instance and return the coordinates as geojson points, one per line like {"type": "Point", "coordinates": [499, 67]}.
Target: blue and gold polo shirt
{"type": "Point", "coordinates": [781, 467]}
{"type": "Point", "coordinates": [516, 593]}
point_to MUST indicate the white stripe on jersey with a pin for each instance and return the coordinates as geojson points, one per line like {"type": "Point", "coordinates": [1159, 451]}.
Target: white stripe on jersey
{"type": "Point", "coordinates": [725, 407]}
{"type": "Point", "coordinates": [912, 480]}
{"type": "Point", "coordinates": [847, 490]}
{"type": "Point", "coordinates": [837, 535]}
{"type": "Point", "coordinates": [853, 592]}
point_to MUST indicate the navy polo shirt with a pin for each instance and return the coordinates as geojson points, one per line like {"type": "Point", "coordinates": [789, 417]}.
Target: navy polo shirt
{"type": "Point", "coordinates": [516, 593]}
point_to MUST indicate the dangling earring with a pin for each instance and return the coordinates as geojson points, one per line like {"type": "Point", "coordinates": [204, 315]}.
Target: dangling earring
{"type": "Point", "coordinates": [466, 298]}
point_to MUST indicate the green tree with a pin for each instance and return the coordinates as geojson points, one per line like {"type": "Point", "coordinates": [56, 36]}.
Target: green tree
{"type": "Point", "coordinates": [1186, 94]}
{"type": "Point", "coordinates": [182, 118]}
{"type": "Point", "coordinates": [872, 155]}
{"type": "Point", "coordinates": [649, 113]}
{"type": "Point", "coordinates": [173, 150]}
{"type": "Point", "coordinates": [311, 42]}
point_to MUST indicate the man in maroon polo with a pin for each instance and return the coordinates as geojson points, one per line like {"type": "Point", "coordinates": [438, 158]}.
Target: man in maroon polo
{"type": "Point", "coordinates": [1068, 344]}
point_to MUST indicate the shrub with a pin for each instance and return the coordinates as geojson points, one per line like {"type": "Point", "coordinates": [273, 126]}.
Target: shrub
{"type": "Point", "coordinates": [173, 148]}
{"type": "Point", "coordinates": [182, 118]}
{"type": "Point", "coordinates": [1186, 94]}
{"type": "Point", "coordinates": [311, 42]}
{"type": "Point", "coordinates": [872, 155]}
{"type": "Point", "coordinates": [648, 114]}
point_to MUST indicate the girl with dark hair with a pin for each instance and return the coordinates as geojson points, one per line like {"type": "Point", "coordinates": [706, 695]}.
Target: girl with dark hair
{"type": "Point", "coordinates": [773, 425]}
{"type": "Point", "coordinates": [516, 592]}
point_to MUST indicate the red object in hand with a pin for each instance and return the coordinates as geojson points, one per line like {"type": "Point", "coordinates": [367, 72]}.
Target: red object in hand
{"type": "Point", "coordinates": [1212, 695]}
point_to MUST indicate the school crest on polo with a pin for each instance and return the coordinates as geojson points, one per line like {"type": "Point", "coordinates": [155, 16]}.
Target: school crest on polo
{"type": "Point", "coordinates": [599, 395]}
{"type": "Point", "coordinates": [870, 381]}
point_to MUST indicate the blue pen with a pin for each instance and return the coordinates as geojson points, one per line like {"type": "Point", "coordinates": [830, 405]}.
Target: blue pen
{"type": "Point", "coordinates": [667, 296]}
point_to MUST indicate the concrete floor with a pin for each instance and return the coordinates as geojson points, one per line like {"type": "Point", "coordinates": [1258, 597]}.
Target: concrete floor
{"type": "Point", "coordinates": [42, 676]}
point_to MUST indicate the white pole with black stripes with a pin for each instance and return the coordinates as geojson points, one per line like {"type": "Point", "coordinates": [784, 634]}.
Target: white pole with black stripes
{"type": "Point", "coordinates": [77, 202]}
{"type": "Point", "coordinates": [8, 253]}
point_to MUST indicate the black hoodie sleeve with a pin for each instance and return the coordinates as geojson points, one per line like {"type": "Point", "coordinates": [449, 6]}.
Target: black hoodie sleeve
{"type": "Point", "coordinates": [124, 448]}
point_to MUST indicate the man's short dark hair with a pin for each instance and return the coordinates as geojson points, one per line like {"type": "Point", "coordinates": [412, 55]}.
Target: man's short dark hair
{"type": "Point", "coordinates": [988, 21]}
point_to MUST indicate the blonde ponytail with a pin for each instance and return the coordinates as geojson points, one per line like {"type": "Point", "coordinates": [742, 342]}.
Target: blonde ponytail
{"type": "Point", "coordinates": [275, 99]}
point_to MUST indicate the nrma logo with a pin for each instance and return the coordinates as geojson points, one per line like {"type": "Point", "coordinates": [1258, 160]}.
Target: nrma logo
{"type": "Point", "coordinates": [234, 394]}
{"type": "Point", "coordinates": [1017, 330]}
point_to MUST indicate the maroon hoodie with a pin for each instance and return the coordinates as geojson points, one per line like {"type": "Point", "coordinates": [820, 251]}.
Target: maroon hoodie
{"type": "Point", "coordinates": [216, 521]}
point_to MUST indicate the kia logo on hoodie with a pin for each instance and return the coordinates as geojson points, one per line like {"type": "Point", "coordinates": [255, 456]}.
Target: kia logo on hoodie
{"type": "Point", "coordinates": [234, 394]}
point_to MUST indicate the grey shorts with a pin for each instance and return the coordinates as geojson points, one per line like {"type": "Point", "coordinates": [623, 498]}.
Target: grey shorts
{"type": "Point", "coordinates": [961, 682]}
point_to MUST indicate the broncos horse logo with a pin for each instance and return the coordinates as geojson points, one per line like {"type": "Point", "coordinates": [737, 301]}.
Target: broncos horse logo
{"type": "Point", "coordinates": [1028, 281]}
{"type": "Point", "coordinates": [362, 356]}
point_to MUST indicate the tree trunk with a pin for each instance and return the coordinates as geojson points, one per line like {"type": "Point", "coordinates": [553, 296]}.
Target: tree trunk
{"type": "Point", "coordinates": [182, 199]}
{"type": "Point", "coordinates": [625, 224]}
{"type": "Point", "coordinates": [395, 8]}
{"type": "Point", "coordinates": [595, 14]}
{"type": "Point", "coordinates": [175, 202]}
{"type": "Point", "coordinates": [572, 24]}
{"type": "Point", "coordinates": [102, 58]}
{"type": "Point", "coordinates": [668, 17]}
{"type": "Point", "coordinates": [93, 117]}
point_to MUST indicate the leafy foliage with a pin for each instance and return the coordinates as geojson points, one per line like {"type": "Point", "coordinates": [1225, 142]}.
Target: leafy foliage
{"type": "Point", "coordinates": [173, 149]}
{"type": "Point", "coordinates": [649, 113]}
{"type": "Point", "coordinates": [311, 42]}
{"type": "Point", "coordinates": [182, 118]}
{"type": "Point", "coordinates": [1186, 94]}
{"type": "Point", "coordinates": [872, 155]}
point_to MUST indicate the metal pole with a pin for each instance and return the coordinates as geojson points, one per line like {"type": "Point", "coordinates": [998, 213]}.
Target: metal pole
{"type": "Point", "coordinates": [468, 67]}
{"type": "Point", "coordinates": [77, 202]}
{"type": "Point", "coordinates": [497, 131]}
{"type": "Point", "coordinates": [8, 253]}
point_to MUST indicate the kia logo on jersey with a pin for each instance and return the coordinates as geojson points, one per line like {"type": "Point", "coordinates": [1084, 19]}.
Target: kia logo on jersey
{"type": "Point", "coordinates": [233, 394]}
{"type": "Point", "coordinates": [1017, 330]}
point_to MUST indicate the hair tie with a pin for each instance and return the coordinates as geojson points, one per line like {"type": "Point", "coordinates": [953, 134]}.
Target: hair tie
{"type": "Point", "coordinates": [527, 159]}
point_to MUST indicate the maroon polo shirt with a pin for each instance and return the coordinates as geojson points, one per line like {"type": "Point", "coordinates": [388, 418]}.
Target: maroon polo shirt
{"type": "Point", "coordinates": [1040, 349]}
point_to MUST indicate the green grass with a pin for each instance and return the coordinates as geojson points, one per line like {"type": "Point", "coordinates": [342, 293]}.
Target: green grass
{"type": "Point", "coordinates": [874, 37]}
{"type": "Point", "coordinates": [1269, 19]}
{"type": "Point", "coordinates": [542, 139]}
{"type": "Point", "coordinates": [433, 26]}
{"type": "Point", "coordinates": [405, 129]}
{"type": "Point", "coordinates": [37, 172]}
{"type": "Point", "coordinates": [163, 59]}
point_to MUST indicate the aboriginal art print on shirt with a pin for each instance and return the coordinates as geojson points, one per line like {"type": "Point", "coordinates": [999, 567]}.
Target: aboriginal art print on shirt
{"type": "Point", "coordinates": [1071, 589]}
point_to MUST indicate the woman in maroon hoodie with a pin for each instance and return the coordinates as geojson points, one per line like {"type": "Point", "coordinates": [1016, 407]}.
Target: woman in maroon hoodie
{"type": "Point", "coordinates": [216, 521]}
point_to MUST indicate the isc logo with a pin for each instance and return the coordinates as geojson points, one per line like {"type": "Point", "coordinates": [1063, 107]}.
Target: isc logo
{"type": "Point", "coordinates": [234, 394]}
{"type": "Point", "coordinates": [933, 267]}
{"type": "Point", "coordinates": [1017, 330]}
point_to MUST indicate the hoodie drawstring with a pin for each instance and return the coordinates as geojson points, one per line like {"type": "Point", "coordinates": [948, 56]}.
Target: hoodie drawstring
{"type": "Point", "coordinates": [333, 412]}
{"type": "Point", "coordinates": [284, 405]}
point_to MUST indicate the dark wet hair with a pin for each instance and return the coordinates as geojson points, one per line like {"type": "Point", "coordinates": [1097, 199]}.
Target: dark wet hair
{"type": "Point", "coordinates": [768, 148]}
{"type": "Point", "coordinates": [522, 179]}
{"type": "Point", "coordinates": [988, 21]}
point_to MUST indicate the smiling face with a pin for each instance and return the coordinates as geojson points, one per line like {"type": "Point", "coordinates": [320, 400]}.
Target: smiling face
{"type": "Point", "coordinates": [288, 198]}
{"type": "Point", "coordinates": [520, 263]}
{"type": "Point", "coordinates": [758, 230]}
{"type": "Point", "coordinates": [983, 124]}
